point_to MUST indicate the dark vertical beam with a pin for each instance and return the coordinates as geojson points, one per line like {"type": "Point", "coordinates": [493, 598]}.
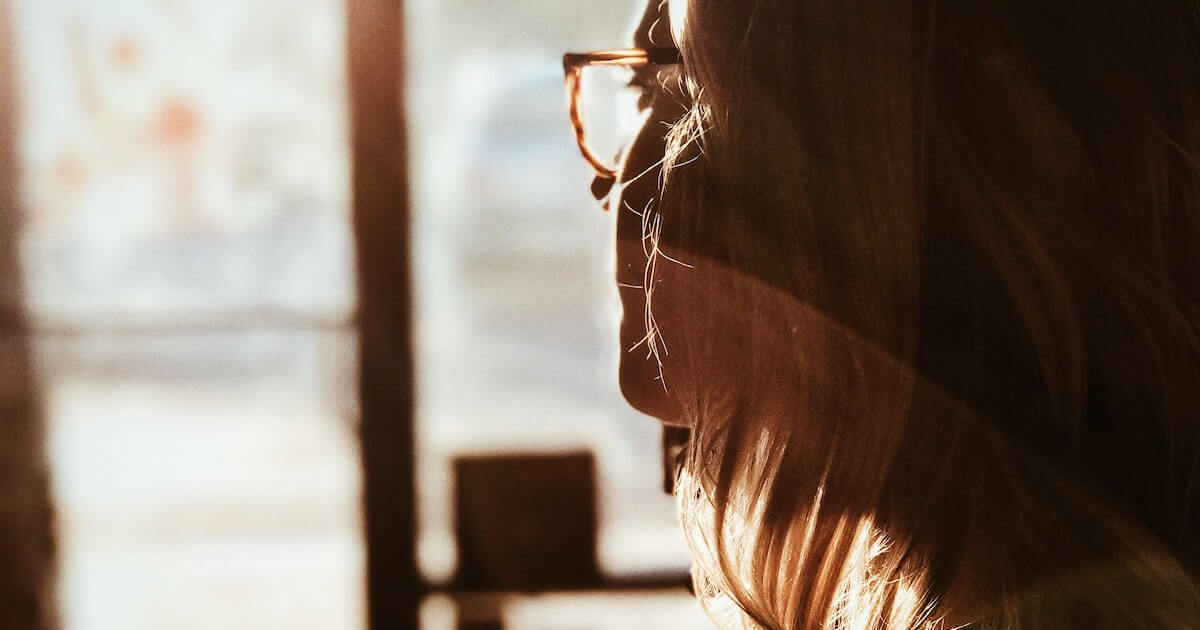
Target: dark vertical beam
{"type": "Point", "coordinates": [26, 542]}
{"type": "Point", "coordinates": [375, 49]}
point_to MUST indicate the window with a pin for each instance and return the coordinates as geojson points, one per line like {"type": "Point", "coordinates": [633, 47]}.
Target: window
{"type": "Point", "coordinates": [188, 267]}
{"type": "Point", "coordinates": [516, 317]}
{"type": "Point", "coordinates": [188, 275]}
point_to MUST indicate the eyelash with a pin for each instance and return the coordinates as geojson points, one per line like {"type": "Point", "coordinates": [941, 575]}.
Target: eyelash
{"type": "Point", "coordinates": [647, 90]}
{"type": "Point", "coordinates": [645, 98]}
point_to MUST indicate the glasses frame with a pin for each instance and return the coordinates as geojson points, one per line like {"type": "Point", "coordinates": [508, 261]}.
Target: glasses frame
{"type": "Point", "coordinates": [573, 66]}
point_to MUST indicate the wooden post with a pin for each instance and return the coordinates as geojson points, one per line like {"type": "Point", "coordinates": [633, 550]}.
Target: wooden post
{"type": "Point", "coordinates": [375, 49]}
{"type": "Point", "coordinates": [26, 540]}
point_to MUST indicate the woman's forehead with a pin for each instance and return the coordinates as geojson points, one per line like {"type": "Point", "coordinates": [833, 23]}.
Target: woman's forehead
{"type": "Point", "coordinates": [661, 24]}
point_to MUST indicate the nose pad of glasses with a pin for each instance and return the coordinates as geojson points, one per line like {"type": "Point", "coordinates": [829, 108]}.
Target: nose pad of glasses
{"type": "Point", "coordinates": [601, 186]}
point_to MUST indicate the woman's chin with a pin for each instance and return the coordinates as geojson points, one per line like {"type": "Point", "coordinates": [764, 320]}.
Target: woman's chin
{"type": "Point", "coordinates": [659, 405]}
{"type": "Point", "coordinates": [643, 388]}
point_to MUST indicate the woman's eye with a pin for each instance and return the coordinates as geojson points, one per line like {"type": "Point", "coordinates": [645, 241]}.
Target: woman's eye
{"type": "Point", "coordinates": [645, 99]}
{"type": "Point", "coordinates": [649, 85]}
{"type": "Point", "coordinates": [645, 88]}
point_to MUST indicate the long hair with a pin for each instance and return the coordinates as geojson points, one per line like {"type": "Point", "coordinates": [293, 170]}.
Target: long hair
{"type": "Point", "coordinates": [944, 292]}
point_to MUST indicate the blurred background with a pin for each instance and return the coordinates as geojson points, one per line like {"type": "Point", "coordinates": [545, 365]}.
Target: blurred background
{"type": "Point", "coordinates": [179, 190]}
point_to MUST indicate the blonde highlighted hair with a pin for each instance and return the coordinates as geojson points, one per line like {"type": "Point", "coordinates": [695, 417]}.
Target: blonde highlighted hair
{"type": "Point", "coordinates": [943, 361]}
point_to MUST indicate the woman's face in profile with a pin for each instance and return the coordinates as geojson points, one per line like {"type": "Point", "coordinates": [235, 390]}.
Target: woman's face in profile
{"type": "Point", "coordinates": [644, 356]}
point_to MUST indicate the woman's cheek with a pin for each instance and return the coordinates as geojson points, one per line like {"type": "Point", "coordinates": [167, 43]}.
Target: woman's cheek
{"type": "Point", "coordinates": [646, 316]}
{"type": "Point", "coordinates": [648, 367]}
{"type": "Point", "coordinates": [649, 374]}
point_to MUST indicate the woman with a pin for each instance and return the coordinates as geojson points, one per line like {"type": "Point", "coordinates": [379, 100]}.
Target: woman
{"type": "Point", "coordinates": [922, 279]}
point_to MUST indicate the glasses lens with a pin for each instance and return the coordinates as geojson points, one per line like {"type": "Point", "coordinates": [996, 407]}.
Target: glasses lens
{"type": "Point", "coordinates": [610, 112]}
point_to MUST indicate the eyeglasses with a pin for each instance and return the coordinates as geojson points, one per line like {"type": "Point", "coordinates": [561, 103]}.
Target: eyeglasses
{"type": "Point", "coordinates": [574, 65]}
